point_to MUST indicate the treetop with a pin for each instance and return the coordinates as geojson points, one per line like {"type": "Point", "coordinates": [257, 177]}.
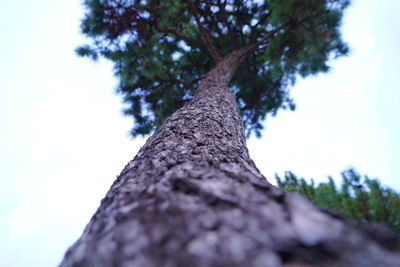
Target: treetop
{"type": "Point", "coordinates": [162, 49]}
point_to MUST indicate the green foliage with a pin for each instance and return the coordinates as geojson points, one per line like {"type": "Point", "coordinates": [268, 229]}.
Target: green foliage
{"type": "Point", "coordinates": [159, 54]}
{"type": "Point", "coordinates": [360, 198]}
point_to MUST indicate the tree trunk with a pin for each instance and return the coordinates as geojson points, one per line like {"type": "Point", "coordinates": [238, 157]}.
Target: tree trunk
{"type": "Point", "coordinates": [193, 197]}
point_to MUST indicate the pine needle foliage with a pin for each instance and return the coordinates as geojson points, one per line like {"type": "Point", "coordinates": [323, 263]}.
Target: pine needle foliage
{"type": "Point", "coordinates": [358, 197]}
{"type": "Point", "coordinates": [162, 49]}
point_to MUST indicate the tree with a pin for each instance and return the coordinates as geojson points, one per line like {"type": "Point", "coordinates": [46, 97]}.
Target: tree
{"type": "Point", "coordinates": [360, 198]}
{"type": "Point", "coordinates": [192, 196]}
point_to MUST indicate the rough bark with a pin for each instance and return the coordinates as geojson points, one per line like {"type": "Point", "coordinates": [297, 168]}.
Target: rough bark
{"type": "Point", "coordinates": [193, 197]}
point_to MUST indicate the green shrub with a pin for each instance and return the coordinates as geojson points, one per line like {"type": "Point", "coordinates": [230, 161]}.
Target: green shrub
{"type": "Point", "coordinates": [360, 198]}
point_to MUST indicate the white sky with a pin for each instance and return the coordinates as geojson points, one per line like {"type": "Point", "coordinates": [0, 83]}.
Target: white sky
{"type": "Point", "coordinates": [63, 139]}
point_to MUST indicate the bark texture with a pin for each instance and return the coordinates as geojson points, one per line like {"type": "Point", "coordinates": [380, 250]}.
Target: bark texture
{"type": "Point", "coordinates": [193, 197]}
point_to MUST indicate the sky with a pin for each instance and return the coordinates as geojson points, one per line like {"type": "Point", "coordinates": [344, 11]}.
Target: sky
{"type": "Point", "coordinates": [63, 139]}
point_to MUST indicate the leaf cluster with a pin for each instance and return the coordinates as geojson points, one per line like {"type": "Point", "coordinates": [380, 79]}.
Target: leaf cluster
{"type": "Point", "coordinates": [160, 55]}
{"type": "Point", "coordinates": [358, 197]}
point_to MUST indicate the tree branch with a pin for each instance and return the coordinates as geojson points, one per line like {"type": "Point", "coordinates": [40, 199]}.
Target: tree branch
{"type": "Point", "coordinates": [254, 28]}
{"type": "Point", "coordinates": [210, 47]}
{"type": "Point", "coordinates": [187, 39]}
{"type": "Point", "coordinates": [154, 9]}
{"type": "Point", "coordinates": [268, 36]}
{"type": "Point", "coordinates": [239, 21]}
{"type": "Point", "coordinates": [250, 48]}
{"type": "Point", "coordinates": [232, 35]}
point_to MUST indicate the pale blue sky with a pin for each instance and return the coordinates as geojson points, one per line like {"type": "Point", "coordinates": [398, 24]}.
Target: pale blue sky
{"type": "Point", "coordinates": [63, 139]}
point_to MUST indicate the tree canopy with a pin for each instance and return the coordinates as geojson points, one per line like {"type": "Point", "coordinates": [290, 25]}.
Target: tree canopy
{"type": "Point", "coordinates": [162, 49]}
{"type": "Point", "coordinates": [358, 197]}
